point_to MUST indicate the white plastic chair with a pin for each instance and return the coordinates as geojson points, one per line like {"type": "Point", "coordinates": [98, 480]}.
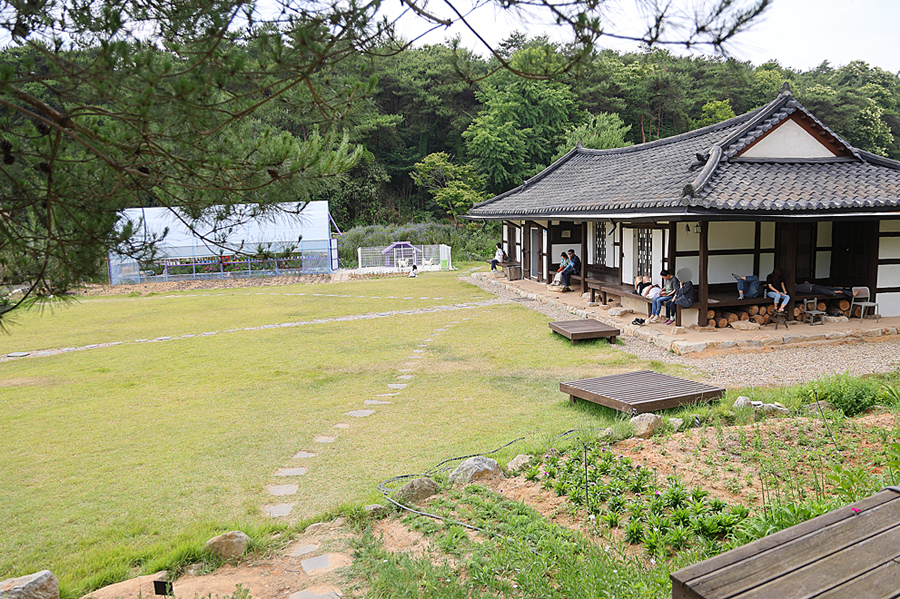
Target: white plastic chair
{"type": "Point", "coordinates": [862, 293]}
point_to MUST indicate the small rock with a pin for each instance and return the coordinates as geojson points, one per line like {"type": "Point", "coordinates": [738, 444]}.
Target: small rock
{"type": "Point", "coordinates": [592, 304]}
{"type": "Point", "coordinates": [475, 468]}
{"type": "Point", "coordinates": [676, 423]}
{"type": "Point", "coordinates": [416, 490]}
{"type": "Point", "coordinates": [678, 330]}
{"type": "Point", "coordinates": [555, 288]}
{"type": "Point", "coordinates": [836, 319]}
{"type": "Point", "coordinates": [745, 325]}
{"type": "Point", "coordinates": [606, 435]}
{"type": "Point", "coordinates": [312, 528]}
{"type": "Point", "coordinates": [741, 402]}
{"type": "Point", "coordinates": [193, 570]}
{"type": "Point", "coordinates": [40, 585]}
{"type": "Point", "coordinates": [620, 311]}
{"type": "Point", "coordinates": [518, 462]}
{"type": "Point", "coordinates": [229, 545]}
{"type": "Point", "coordinates": [771, 409]}
{"type": "Point", "coordinates": [645, 425]}
{"type": "Point", "coordinates": [586, 295]}
{"type": "Point", "coordinates": [376, 510]}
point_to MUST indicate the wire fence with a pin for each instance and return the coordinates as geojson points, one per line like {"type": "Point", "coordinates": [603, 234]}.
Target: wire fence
{"type": "Point", "coordinates": [403, 255]}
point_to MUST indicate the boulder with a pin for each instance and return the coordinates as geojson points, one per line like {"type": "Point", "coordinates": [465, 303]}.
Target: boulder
{"type": "Point", "coordinates": [607, 435]}
{"type": "Point", "coordinates": [836, 319]}
{"type": "Point", "coordinates": [771, 409]}
{"type": "Point", "coordinates": [40, 585]}
{"type": "Point", "coordinates": [619, 311]}
{"type": "Point", "coordinates": [416, 490]}
{"type": "Point", "coordinates": [376, 510]}
{"type": "Point", "coordinates": [644, 425]}
{"type": "Point", "coordinates": [676, 423]}
{"type": "Point", "coordinates": [741, 402]}
{"type": "Point", "coordinates": [229, 545]}
{"type": "Point", "coordinates": [475, 468]}
{"type": "Point", "coordinates": [586, 295]}
{"type": "Point", "coordinates": [678, 330]}
{"type": "Point", "coordinates": [745, 325]}
{"type": "Point", "coordinates": [518, 462]}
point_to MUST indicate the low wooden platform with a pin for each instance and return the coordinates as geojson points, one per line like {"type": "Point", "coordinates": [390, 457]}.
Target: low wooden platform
{"type": "Point", "coordinates": [579, 330]}
{"type": "Point", "coordinates": [852, 552]}
{"type": "Point", "coordinates": [641, 391]}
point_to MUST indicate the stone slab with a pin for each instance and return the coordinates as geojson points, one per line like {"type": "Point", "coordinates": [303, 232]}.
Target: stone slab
{"type": "Point", "coordinates": [17, 354]}
{"type": "Point", "coordinates": [304, 454]}
{"type": "Point", "coordinates": [279, 490]}
{"type": "Point", "coordinates": [341, 425]}
{"type": "Point", "coordinates": [323, 439]}
{"type": "Point", "coordinates": [360, 413]}
{"type": "Point", "coordinates": [303, 550]}
{"type": "Point", "coordinates": [290, 472]}
{"type": "Point", "coordinates": [397, 385]}
{"type": "Point", "coordinates": [275, 511]}
{"type": "Point", "coordinates": [375, 402]}
{"type": "Point", "coordinates": [387, 394]}
{"type": "Point", "coordinates": [315, 594]}
{"type": "Point", "coordinates": [405, 377]}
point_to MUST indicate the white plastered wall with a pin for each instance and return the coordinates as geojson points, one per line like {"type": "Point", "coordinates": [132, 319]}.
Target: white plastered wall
{"type": "Point", "coordinates": [730, 236]}
{"type": "Point", "coordinates": [788, 140]}
{"type": "Point", "coordinates": [889, 274]}
{"type": "Point", "coordinates": [628, 265]}
{"type": "Point", "coordinates": [823, 258]}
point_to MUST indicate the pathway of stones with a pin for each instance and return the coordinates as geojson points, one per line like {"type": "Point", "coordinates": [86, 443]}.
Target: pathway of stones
{"type": "Point", "coordinates": [419, 354]}
{"type": "Point", "coordinates": [475, 302]}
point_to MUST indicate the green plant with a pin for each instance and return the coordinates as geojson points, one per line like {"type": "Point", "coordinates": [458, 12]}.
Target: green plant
{"type": "Point", "coordinates": [850, 394]}
{"type": "Point", "coordinates": [634, 532]}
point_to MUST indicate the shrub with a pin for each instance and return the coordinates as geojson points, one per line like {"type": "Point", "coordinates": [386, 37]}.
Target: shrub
{"type": "Point", "coordinates": [849, 394]}
{"type": "Point", "coordinates": [468, 242]}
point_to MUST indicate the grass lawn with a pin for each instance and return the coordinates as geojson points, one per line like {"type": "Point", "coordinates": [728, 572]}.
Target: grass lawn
{"type": "Point", "coordinates": [113, 457]}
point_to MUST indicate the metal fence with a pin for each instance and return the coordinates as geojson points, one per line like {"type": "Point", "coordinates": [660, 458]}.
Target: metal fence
{"type": "Point", "coordinates": [404, 256]}
{"type": "Point", "coordinates": [279, 258]}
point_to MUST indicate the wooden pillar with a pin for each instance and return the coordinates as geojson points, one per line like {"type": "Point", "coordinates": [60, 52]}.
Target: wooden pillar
{"type": "Point", "coordinates": [790, 267]}
{"type": "Point", "coordinates": [670, 261]}
{"type": "Point", "coordinates": [584, 245]}
{"type": "Point", "coordinates": [703, 275]}
{"type": "Point", "coordinates": [757, 248]}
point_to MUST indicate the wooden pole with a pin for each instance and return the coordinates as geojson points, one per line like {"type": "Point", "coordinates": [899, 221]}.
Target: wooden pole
{"type": "Point", "coordinates": [702, 276]}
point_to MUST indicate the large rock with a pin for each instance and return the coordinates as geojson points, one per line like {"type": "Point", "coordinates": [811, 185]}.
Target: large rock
{"type": "Point", "coordinates": [518, 462]}
{"type": "Point", "coordinates": [476, 468]}
{"type": "Point", "coordinates": [40, 585]}
{"type": "Point", "coordinates": [774, 409]}
{"type": "Point", "coordinates": [229, 545]}
{"type": "Point", "coordinates": [416, 490]}
{"type": "Point", "coordinates": [741, 402]}
{"type": "Point", "coordinates": [376, 510]}
{"type": "Point", "coordinates": [620, 311]}
{"type": "Point", "coordinates": [644, 425]}
{"type": "Point", "coordinates": [745, 325]}
{"type": "Point", "coordinates": [676, 423]}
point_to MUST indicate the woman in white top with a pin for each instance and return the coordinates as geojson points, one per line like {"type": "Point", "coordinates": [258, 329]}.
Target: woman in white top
{"type": "Point", "coordinates": [499, 256]}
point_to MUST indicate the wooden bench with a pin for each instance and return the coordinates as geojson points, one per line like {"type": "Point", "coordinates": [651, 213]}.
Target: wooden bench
{"type": "Point", "coordinates": [579, 330]}
{"type": "Point", "coordinates": [850, 552]}
{"type": "Point", "coordinates": [513, 269]}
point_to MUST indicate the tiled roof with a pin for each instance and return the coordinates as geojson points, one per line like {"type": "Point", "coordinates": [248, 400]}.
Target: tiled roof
{"type": "Point", "coordinates": [700, 170]}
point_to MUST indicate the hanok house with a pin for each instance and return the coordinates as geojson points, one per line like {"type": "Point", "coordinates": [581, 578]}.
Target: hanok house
{"type": "Point", "coordinates": [771, 187]}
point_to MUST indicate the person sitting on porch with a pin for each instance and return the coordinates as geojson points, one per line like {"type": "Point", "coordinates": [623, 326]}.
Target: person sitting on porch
{"type": "Point", "coordinates": [563, 263]}
{"type": "Point", "coordinates": [748, 286]}
{"type": "Point", "coordinates": [776, 290]}
{"type": "Point", "coordinates": [573, 267]}
{"type": "Point", "coordinates": [684, 297]}
{"type": "Point", "coordinates": [665, 296]}
{"type": "Point", "coordinates": [644, 287]}
{"type": "Point", "coordinates": [499, 256]}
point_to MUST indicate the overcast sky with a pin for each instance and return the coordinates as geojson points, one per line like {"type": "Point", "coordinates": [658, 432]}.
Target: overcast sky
{"type": "Point", "coordinates": [799, 34]}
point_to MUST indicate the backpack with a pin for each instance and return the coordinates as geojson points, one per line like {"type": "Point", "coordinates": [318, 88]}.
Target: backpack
{"type": "Point", "coordinates": [505, 257]}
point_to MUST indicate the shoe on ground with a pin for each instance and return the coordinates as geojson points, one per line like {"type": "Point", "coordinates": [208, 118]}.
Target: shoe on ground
{"type": "Point", "coordinates": [669, 321]}
{"type": "Point", "coordinates": [654, 318]}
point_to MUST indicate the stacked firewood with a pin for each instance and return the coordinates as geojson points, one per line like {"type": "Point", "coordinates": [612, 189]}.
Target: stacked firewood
{"type": "Point", "coordinates": [763, 314]}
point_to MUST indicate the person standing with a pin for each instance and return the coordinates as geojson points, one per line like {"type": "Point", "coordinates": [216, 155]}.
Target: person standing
{"type": "Point", "coordinates": [776, 289]}
{"type": "Point", "coordinates": [499, 257]}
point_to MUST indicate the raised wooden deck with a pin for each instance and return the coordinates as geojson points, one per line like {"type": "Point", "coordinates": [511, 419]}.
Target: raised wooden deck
{"type": "Point", "coordinates": [641, 391]}
{"type": "Point", "coordinates": [852, 552]}
{"type": "Point", "coordinates": [579, 330]}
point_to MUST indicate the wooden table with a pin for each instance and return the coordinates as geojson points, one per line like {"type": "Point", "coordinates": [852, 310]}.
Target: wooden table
{"type": "Point", "coordinates": [579, 330]}
{"type": "Point", "coordinates": [641, 391]}
{"type": "Point", "coordinates": [852, 552]}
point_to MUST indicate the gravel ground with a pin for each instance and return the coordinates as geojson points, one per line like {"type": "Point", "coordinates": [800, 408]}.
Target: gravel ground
{"type": "Point", "coordinates": [775, 366]}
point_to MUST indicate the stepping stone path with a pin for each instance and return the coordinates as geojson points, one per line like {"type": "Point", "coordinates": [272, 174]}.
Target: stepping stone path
{"type": "Point", "coordinates": [303, 550]}
{"type": "Point", "coordinates": [290, 472]}
{"type": "Point", "coordinates": [360, 413]}
{"type": "Point", "coordinates": [325, 562]}
{"type": "Point", "coordinates": [279, 490]}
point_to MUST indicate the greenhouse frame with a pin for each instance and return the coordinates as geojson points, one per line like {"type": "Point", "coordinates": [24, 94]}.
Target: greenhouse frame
{"type": "Point", "coordinates": [291, 239]}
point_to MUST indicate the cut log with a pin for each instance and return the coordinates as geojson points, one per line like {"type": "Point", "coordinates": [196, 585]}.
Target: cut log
{"type": "Point", "coordinates": [744, 316]}
{"type": "Point", "coordinates": [771, 309]}
{"type": "Point", "coordinates": [732, 317]}
{"type": "Point", "coordinates": [857, 311]}
{"type": "Point", "coordinates": [712, 322]}
{"type": "Point", "coordinates": [710, 314]}
{"type": "Point", "coordinates": [844, 304]}
{"type": "Point", "coordinates": [722, 323]}
{"type": "Point", "coordinates": [821, 306]}
{"type": "Point", "coordinates": [798, 312]}
{"type": "Point", "coordinates": [759, 319]}
{"type": "Point", "coordinates": [753, 310]}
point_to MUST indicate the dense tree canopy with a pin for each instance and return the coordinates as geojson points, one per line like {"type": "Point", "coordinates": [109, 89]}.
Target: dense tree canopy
{"type": "Point", "coordinates": [202, 105]}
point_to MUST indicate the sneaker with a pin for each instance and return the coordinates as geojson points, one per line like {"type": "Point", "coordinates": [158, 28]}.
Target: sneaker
{"type": "Point", "coordinates": [654, 318]}
{"type": "Point", "coordinates": [669, 321]}
{"type": "Point", "coordinates": [740, 297]}
{"type": "Point", "coordinates": [736, 278]}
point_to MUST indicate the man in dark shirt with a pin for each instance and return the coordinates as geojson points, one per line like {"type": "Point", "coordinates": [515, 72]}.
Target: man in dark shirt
{"type": "Point", "coordinates": [574, 267]}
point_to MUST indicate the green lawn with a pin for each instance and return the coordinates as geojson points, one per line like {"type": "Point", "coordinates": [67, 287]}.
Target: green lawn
{"type": "Point", "coordinates": [112, 456]}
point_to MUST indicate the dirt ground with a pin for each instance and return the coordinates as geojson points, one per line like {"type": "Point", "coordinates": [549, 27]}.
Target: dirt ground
{"type": "Point", "coordinates": [285, 574]}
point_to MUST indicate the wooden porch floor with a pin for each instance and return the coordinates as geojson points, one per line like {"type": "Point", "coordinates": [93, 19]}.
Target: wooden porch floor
{"type": "Point", "coordinates": [641, 391]}
{"type": "Point", "coordinates": [580, 330]}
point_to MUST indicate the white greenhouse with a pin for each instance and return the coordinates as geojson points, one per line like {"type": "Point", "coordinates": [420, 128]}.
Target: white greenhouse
{"type": "Point", "coordinates": [283, 242]}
